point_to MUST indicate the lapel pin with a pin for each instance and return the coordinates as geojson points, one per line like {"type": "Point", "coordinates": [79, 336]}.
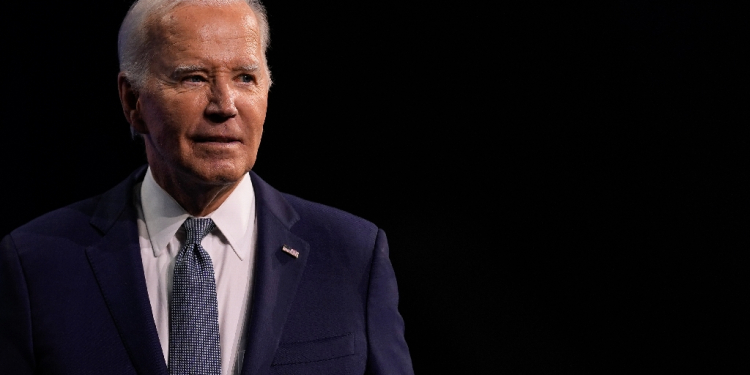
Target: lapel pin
{"type": "Point", "coordinates": [290, 251]}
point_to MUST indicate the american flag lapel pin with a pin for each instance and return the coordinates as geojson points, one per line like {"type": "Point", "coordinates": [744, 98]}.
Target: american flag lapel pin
{"type": "Point", "coordinates": [290, 251]}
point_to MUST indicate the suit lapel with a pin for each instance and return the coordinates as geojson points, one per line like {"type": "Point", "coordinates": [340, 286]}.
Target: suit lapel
{"type": "Point", "coordinates": [276, 276]}
{"type": "Point", "coordinates": [117, 266]}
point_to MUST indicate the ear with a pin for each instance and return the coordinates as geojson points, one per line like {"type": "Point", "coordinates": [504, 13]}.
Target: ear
{"type": "Point", "coordinates": [129, 98]}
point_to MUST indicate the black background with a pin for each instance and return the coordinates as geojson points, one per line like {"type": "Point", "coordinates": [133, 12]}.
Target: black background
{"type": "Point", "coordinates": [564, 187]}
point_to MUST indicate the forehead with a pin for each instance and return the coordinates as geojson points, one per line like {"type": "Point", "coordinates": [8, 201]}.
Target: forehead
{"type": "Point", "coordinates": [196, 26]}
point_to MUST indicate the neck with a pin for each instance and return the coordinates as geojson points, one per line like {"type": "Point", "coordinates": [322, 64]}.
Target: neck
{"type": "Point", "coordinates": [197, 198]}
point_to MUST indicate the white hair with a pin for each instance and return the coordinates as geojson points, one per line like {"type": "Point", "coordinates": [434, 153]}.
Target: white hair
{"type": "Point", "coordinates": [135, 47]}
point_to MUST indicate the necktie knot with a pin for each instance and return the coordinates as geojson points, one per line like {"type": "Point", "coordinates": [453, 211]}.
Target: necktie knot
{"type": "Point", "coordinates": [196, 229]}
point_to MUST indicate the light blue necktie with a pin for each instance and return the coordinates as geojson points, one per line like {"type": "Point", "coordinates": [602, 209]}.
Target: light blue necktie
{"type": "Point", "coordinates": [194, 315]}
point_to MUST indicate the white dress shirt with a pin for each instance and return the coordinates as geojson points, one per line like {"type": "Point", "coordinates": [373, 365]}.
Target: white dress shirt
{"type": "Point", "coordinates": [231, 247]}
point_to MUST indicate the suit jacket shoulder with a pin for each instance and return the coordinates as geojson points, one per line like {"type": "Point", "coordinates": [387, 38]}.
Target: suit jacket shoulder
{"type": "Point", "coordinates": [319, 220]}
{"type": "Point", "coordinates": [84, 221]}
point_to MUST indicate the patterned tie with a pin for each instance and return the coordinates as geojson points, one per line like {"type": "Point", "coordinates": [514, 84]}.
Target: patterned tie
{"type": "Point", "coordinates": [194, 316]}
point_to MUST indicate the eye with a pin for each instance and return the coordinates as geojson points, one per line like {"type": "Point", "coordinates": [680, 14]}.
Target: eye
{"type": "Point", "coordinates": [194, 79]}
{"type": "Point", "coordinates": [246, 78]}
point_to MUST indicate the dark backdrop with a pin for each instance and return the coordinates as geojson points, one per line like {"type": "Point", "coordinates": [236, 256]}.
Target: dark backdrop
{"type": "Point", "coordinates": [564, 188]}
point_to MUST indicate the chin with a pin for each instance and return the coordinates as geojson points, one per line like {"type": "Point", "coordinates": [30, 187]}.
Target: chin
{"type": "Point", "coordinates": [222, 173]}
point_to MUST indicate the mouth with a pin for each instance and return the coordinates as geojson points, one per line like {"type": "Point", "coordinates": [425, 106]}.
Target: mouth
{"type": "Point", "coordinates": [216, 145]}
{"type": "Point", "coordinates": [216, 140]}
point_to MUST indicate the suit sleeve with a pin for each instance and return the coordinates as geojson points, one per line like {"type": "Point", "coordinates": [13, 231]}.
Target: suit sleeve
{"type": "Point", "coordinates": [387, 349]}
{"type": "Point", "coordinates": [16, 352]}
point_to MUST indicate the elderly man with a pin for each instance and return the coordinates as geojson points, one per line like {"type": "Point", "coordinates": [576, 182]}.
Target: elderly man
{"type": "Point", "coordinates": [193, 264]}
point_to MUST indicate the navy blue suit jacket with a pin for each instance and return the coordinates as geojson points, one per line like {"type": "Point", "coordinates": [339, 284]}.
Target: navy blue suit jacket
{"type": "Point", "coordinates": [73, 296]}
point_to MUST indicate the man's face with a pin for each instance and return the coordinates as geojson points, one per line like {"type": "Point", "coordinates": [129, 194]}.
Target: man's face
{"type": "Point", "coordinates": [203, 104]}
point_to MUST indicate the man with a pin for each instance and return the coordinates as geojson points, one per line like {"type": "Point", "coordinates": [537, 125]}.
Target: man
{"type": "Point", "coordinates": [194, 264]}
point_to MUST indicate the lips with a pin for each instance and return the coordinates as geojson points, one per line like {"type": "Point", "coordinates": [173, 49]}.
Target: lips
{"type": "Point", "coordinates": [215, 139]}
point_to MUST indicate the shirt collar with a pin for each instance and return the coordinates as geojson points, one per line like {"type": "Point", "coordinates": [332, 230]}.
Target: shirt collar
{"type": "Point", "coordinates": [164, 216]}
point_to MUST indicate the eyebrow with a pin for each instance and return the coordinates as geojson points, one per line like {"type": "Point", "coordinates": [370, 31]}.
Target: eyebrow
{"type": "Point", "coordinates": [248, 68]}
{"type": "Point", "coordinates": [185, 69]}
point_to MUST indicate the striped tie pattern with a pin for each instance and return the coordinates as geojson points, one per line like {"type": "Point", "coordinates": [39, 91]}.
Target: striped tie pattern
{"type": "Point", "coordinates": [194, 315]}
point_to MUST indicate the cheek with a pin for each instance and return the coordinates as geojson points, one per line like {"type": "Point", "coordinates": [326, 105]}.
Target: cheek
{"type": "Point", "coordinates": [170, 118]}
{"type": "Point", "coordinates": [255, 111]}
{"type": "Point", "coordinates": [187, 109]}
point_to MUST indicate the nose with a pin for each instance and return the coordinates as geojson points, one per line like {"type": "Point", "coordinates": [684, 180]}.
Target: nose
{"type": "Point", "coordinates": [221, 106]}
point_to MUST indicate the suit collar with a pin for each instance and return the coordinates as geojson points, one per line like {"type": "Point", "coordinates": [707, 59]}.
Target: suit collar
{"type": "Point", "coordinates": [274, 202]}
{"type": "Point", "coordinates": [115, 201]}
